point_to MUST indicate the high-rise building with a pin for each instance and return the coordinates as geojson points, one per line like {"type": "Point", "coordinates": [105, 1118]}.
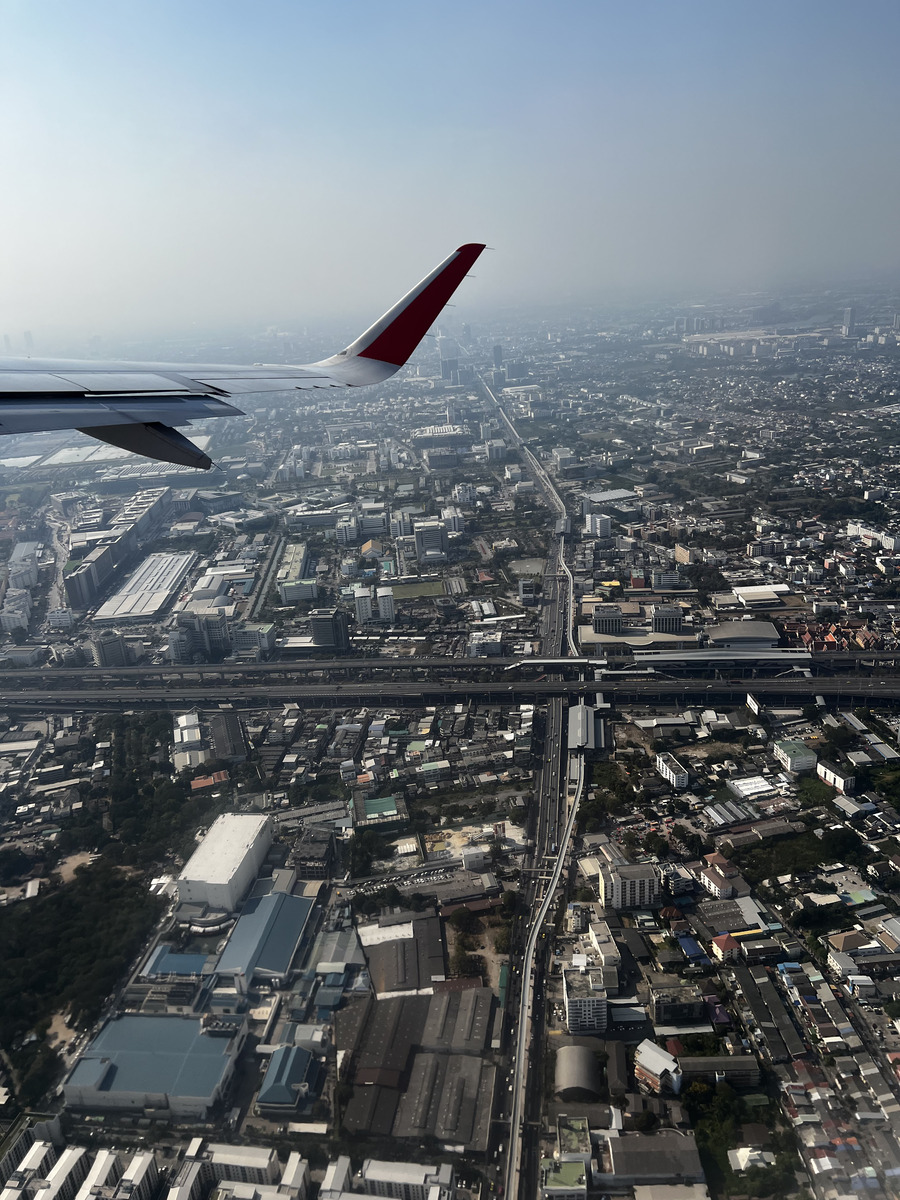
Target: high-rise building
{"type": "Point", "coordinates": [110, 649]}
{"type": "Point", "coordinates": [528, 591]}
{"type": "Point", "coordinates": [208, 627]}
{"type": "Point", "coordinates": [666, 618]}
{"type": "Point", "coordinates": [597, 525]}
{"type": "Point", "coordinates": [848, 329]}
{"type": "Point", "coordinates": [453, 519]}
{"type": "Point", "coordinates": [607, 618]}
{"type": "Point", "coordinates": [498, 357]}
{"type": "Point", "coordinates": [632, 885]}
{"type": "Point", "coordinates": [386, 609]}
{"type": "Point", "coordinates": [432, 542]}
{"type": "Point", "coordinates": [585, 1001]}
{"type": "Point", "coordinates": [401, 524]}
{"type": "Point", "coordinates": [330, 628]}
{"type": "Point", "coordinates": [449, 352]}
{"type": "Point", "coordinates": [362, 602]}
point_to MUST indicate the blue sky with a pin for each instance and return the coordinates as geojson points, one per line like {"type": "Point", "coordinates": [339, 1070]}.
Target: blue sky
{"type": "Point", "coordinates": [210, 161]}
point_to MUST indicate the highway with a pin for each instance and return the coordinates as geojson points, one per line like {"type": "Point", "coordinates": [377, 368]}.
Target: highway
{"type": "Point", "coordinates": [525, 1054]}
{"type": "Point", "coordinates": [98, 696]}
{"type": "Point", "coordinates": [555, 823]}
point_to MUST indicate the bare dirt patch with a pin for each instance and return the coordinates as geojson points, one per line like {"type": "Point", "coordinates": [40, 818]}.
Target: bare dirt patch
{"type": "Point", "coordinates": [59, 1034]}
{"type": "Point", "coordinates": [68, 866]}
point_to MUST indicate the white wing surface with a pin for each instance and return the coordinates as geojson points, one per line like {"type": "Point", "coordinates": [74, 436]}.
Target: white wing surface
{"type": "Point", "coordinates": [137, 405]}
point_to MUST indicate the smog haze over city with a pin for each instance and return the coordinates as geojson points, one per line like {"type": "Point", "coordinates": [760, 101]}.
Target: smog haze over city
{"type": "Point", "coordinates": [464, 765]}
{"type": "Point", "coordinates": [213, 164]}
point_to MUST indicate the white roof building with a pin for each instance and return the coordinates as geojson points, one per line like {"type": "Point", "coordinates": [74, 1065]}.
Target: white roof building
{"type": "Point", "coordinates": [222, 868]}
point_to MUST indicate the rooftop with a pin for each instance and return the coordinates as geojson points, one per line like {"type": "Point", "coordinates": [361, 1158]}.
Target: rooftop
{"type": "Point", "coordinates": [221, 853]}
{"type": "Point", "coordinates": [266, 936]}
{"type": "Point", "coordinates": [153, 1055]}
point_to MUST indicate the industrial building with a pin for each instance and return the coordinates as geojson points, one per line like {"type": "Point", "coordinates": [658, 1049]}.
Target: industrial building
{"type": "Point", "coordinates": [147, 591]}
{"type": "Point", "coordinates": [174, 1066]}
{"type": "Point", "coordinates": [577, 1074]}
{"type": "Point", "coordinates": [416, 1067]}
{"type": "Point", "coordinates": [220, 871]}
{"type": "Point", "coordinates": [291, 579]}
{"type": "Point", "coordinates": [265, 940]}
{"type": "Point", "coordinates": [291, 1084]}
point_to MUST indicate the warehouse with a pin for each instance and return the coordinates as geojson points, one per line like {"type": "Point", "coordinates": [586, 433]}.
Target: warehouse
{"type": "Point", "coordinates": [265, 940]}
{"type": "Point", "coordinates": [148, 590]}
{"type": "Point", "coordinates": [291, 1084]}
{"type": "Point", "coordinates": [220, 871]}
{"type": "Point", "coordinates": [167, 1064]}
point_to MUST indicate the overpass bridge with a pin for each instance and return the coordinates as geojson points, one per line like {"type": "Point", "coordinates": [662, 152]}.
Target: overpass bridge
{"type": "Point", "coordinates": [51, 694]}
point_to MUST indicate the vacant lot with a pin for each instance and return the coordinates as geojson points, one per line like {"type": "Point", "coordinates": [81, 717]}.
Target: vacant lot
{"type": "Point", "coordinates": [417, 591]}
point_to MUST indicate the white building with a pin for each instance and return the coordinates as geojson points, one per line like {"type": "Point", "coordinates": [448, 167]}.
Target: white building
{"type": "Point", "coordinates": [362, 602]}
{"type": "Point", "coordinates": [105, 1172]}
{"type": "Point", "coordinates": [401, 524]}
{"type": "Point", "coordinates": [431, 541]}
{"type": "Point", "coordinates": [632, 885]}
{"type": "Point", "coordinates": [794, 756]}
{"type": "Point", "coordinates": [672, 771]}
{"type": "Point", "coordinates": [836, 777]}
{"type": "Point", "coordinates": [292, 573]}
{"type": "Point", "coordinates": [386, 611]}
{"type": "Point", "coordinates": [242, 1164]}
{"type": "Point", "coordinates": [255, 637]}
{"type": "Point", "coordinates": [406, 1181]}
{"type": "Point", "coordinates": [224, 865]}
{"type": "Point", "coordinates": [585, 1001]}
{"type": "Point", "coordinates": [453, 519]}
{"type": "Point", "coordinates": [346, 531]}
{"type": "Point", "coordinates": [716, 883]}
{"type": "Point", "coordinates": [597, 525]}
{"type": "Point", "coordinates": [604, 944]}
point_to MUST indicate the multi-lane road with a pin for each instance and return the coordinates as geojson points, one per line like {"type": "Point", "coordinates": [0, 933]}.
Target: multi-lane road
{"type": "Point", "coordinates": [98, 694]}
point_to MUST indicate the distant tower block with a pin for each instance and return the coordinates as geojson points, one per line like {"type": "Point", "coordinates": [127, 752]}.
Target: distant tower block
{"type": "Point", "coordinates": [386, 604]}
{"type": "Point", "coordinates": [29, 341]}
{"type": "Point", "coordinates": [848, 329]}
{"type": "Point", "coordinates": [362, 600]}
{"type": "Point", "coordinates": [330, 628]}
{"type": "Point", "coordinates": [666, 618]}
{"type": "Point", "coordinates": [498, 357]}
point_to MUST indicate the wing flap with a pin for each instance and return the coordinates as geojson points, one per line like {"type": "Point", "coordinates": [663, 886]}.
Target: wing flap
{"type": "Point", "coordinates": [239, 383]}
{"type": "Point", "coordinates": [59, 412]}
{"type": "Point", "coordinates": [153, 440]}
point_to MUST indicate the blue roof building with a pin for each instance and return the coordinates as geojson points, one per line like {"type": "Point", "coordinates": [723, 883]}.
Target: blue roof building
{"type": "Point", "coordinates": [292, 1081]}
{"type": "Point", "coordinates": [180, 1066]}
{"type": "Point", "coordinates": [166, 961]}
{"type": "Point", "coordinates": [266, 937]}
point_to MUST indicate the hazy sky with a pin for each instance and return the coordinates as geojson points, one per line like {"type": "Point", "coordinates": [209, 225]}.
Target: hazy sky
{"type": "Point", "coordinates": [209, 162]}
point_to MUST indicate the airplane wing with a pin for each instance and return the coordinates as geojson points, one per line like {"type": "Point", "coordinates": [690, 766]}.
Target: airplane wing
{"type": "Point", "coordinates": [136, 405]}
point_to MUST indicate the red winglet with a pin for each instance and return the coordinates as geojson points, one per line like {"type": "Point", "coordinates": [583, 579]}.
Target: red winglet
{"type": "Point", "coordinates": [399, 331]}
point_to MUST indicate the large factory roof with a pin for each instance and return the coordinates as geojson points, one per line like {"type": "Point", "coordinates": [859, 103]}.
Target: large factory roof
{"type": "Point", "coordinates": [266, 936]}
{"type": "Point", "coordinates": [153, 1055]}
{"type": "Point", "coordinates": [222, 852]}
{"type": "Point", "coordinates": [148, 590]}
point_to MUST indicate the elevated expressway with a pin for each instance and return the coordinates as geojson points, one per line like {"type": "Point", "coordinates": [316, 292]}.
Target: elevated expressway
{"type": "Point", "coordinates": [558, 793]}
{"type": "Point", "coordinates": [99, 695]}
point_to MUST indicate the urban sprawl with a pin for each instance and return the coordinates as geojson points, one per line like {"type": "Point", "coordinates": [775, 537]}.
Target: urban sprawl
{"type": "Point", "coordinates": [482, 783]}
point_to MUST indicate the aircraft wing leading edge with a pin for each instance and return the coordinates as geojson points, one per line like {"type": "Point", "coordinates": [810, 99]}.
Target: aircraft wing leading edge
{"type": "Point", "coordinates": [136, 405]}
